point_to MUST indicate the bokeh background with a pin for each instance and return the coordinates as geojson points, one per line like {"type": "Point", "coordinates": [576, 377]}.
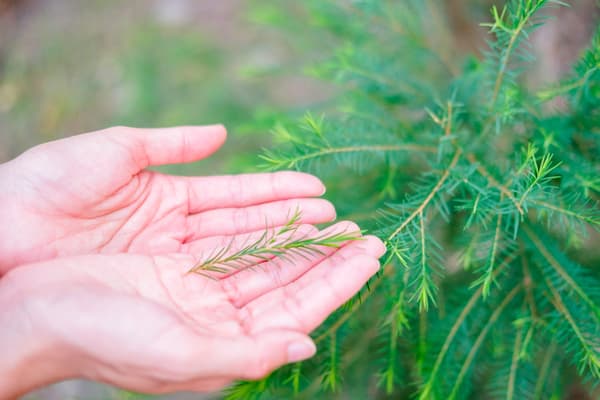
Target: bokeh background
{"type": "Point", "coordinates": [71, 66]}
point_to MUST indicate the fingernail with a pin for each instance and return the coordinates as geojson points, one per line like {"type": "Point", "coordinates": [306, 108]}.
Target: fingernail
{"type": "Point", "coordinates": [301, 350]}
{"type": "Point", "coordinates": [323, 190]}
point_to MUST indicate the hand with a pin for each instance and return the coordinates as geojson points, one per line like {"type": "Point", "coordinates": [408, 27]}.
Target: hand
{"type": "Point", "coordinates": [143, 323]}
{"type": "Point", "coordinates": [92, 194]}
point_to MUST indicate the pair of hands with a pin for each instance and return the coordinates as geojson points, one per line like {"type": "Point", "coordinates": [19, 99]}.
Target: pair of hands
{"type": "Point", "coordinates": [94, 254]}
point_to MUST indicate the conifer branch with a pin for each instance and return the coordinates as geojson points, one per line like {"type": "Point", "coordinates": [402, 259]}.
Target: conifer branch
{"type": "Point", "coordinates": [283, 242]}
{"type": "Point", "coordinates": [494, 182]}
{"type": "Point", "coordinates": [592, 219]}
{"type": "Point", "coordinates": [427, 388]}
{"type": "Point", "coordinates": [591, 356]}
{"type": "Point", "coordinates": [527, 281]}
{"type": "Point", "coordinates": [295, 377]}
{"type": "Point", "coordinates": [544, 371]}
{"type": "Point", "coordinates": [429, 197]}
{"type": "Point", "coordinates": [388, 377]}
{"type": "Point", "coordinates": [280, 162]}
{"type": "Point", "coordinates": [539, 172]}
{"type": "Point", "coordinates": [331, 376]}
{"type": "Point", "coordinates": [486, 279]}
{"type": "Point", "coordinates": [524, 14]}
{"type": "Point", "coordinates": [513, 38]}
{"type": "Point", "coordinates": [425, 289]}
{"type": "Point", "coordinates": [514, 364]}
{"type": "Point", "coordinates": [481, 337]}
{"type": "Point", "coordinates": [553, 262]}
{"type": "Point", "coordinates": [493, 199]}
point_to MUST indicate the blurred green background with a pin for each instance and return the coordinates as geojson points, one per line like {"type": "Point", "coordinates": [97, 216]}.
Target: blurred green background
{"type": "Point", "coordinates": [69, 66]}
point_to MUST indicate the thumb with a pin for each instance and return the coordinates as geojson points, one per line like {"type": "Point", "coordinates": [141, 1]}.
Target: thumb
{"type": "Point", "coordinates": [171, 145]}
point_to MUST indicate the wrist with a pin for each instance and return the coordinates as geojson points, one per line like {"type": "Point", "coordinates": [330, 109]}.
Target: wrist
{"type": "Point", "coordinates": [30, 358]}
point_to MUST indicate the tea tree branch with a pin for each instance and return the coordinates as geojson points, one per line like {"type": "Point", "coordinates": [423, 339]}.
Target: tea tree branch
{"type": "Point", "coordinates": [283, 243]}
{"type": "Point", "coordinates": [429, 197]}
{"type": "Point", "coordinates": [514, 364]}
{"type": "Point", "coordinates": [428, 387]}
{"type": "Point", "coordinates": [481, 337]}
{"type": "Point", "coordinates": [591, 355]}
{"type": "Point", "coordinates": [494, 182]}
{"type": "Point", "coordinates": [560, 270]}
{"type": "Point", "coordinates": [544, 371]}
{"type": "Point", "coordinates": [292, 162]}
{"type": "Point", "coordinates": [395, 105]}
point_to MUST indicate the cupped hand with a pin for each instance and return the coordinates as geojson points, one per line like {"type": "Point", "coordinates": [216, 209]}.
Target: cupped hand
{"type": "Point", "coordinates": [92, 193]}
{"type": "Point", "coordinates": [143, 323]}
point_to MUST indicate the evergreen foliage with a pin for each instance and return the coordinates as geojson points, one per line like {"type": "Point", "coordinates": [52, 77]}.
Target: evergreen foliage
{"type": "Point", "coordinates": [484, 190]}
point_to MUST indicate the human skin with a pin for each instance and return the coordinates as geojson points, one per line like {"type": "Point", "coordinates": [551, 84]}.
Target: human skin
{"type": "Point", "coordinates": [92, 194]}
{"type": "Point", "coordinates": [144, 323]}
{"type": "Point", "coordinates": [95, 253]}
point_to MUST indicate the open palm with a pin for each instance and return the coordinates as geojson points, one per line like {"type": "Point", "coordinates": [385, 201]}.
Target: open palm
{"type": "Point", "coordinates": [92, 193]}
{"type": "Point", "coordinates": [141, 322]}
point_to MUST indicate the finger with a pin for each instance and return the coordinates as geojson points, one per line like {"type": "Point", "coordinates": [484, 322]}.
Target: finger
{"type": "Point", "coordinates": [249, 284]}
{"type": "Point", "coordinates": [211, 192]}
{"type": "Point", "coordinates": [306, 303]}
{"type": "Point", "coordinates": [172, 145]}
{"type": "Point", "coordinates": [250, 357]}
{"type": "Point", "coordinates": [233, 221]}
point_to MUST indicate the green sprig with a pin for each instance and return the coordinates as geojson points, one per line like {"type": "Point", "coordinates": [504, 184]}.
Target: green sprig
{"type": "Point", "coordinates": [284, 243]}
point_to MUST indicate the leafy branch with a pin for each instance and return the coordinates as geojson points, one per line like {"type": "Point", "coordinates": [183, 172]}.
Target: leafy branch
{"type": "Point", "coordinates": [590, 355]}
{"type": "Point", "coordinates": [427, 388]}
{"type": "Point", "coordinates": [429, 197]}
{"type": "Point", "coordinates": [481, 337]}
{"type": "Point", "coordinates": [283, 242]}
{"type": "Point", "coordinates": [560, 270]}
{"type": "Point", "coordinates": [489, 191]}
{"type": "Point", "coordinates": [277, 161]}
{"type": "Point", "coordinates": [522, 18]}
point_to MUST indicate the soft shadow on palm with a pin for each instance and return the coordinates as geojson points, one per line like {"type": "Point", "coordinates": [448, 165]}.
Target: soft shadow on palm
{"type": "Point", "coordinates": [144, 323]}
{"type": "Point", "coordinates": [92, 194]}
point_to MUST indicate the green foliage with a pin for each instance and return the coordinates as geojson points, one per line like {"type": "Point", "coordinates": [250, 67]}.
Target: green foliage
{"type": "Point", "coordinates": [485, 192]}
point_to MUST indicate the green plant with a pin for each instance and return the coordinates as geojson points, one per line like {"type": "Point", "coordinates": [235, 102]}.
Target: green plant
{"type": "Point", "coordinates": [281, 242]}
{"type": "Point", "coordinates": [484, 190]}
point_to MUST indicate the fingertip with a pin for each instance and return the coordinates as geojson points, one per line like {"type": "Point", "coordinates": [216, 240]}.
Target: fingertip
{"type": "Point", "coordinates": [303, 183]}
{"type": "Point", "coordinates": [301, 349]}
{"type": "Point", "coordinates": [317, 211]}
{"type": "Point", "coordinates": [220, 130]}
{"type": "Point", "coordinates": [377, 246]}
{"type": "Point", "coordinates": [318, 183]}
{"type": "Point", "coordinates": [343, 227]}
{"type": "Point", "coordinates": [368, 264]}
{"type": "Point", "coordinates": [217, 133]}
